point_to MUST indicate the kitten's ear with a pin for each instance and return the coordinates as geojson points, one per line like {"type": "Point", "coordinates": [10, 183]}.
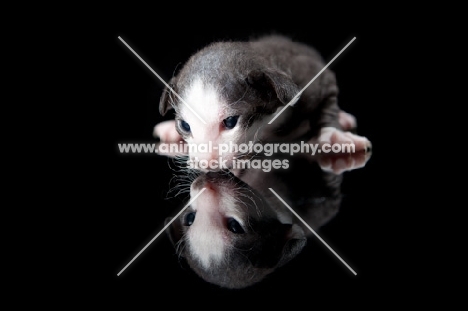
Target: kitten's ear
{"type": "Point", "coordinates": [167, 98]}
{"type": "Point", "coordinates": [295, 242]}
{"type": "Point", "coordinates": [270, 81]}
{"type": "Point", "coordinates": [174, 231]}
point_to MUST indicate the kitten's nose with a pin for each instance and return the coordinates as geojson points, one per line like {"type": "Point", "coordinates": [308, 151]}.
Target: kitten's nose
{"type": "Point", "coordinates": [207, 180]}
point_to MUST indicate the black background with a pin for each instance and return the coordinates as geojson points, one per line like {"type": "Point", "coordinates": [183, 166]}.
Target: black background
{"type": "Point", "coordinates": [123, 199]}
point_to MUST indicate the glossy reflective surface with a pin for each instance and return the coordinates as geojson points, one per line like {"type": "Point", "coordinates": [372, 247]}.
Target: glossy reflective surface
{"type": "Point", "coordinates": [279, 210]}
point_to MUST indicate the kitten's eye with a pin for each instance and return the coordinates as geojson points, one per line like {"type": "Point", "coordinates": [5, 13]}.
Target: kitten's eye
{"type": "Point", "coordinates": [184, 126]}
{"type": "Point", "coordinates": [234, 226]}
{"type": "Point", "coordinates": [230, 122]}
{"type": "Point", "coordinates": [189, 219]}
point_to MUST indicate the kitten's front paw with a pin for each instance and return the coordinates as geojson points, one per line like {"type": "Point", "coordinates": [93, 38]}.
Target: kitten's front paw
{"type": "Point", "coordinates": [347, 121]}
{"type": "Point", "coordinates": [339, 140]}
{"type": "Point", "coordinates": [171, 143]}
{"type": "Point", "coordinates": [342, 151]}
{"type": "Point", "coordinates": [166, 132]}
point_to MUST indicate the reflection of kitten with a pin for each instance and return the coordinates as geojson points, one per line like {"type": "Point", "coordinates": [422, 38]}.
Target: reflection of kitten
{"type": "Point", "coordinates": [236, 233]}
{"type": "Point", "coordinates": [236, 88]}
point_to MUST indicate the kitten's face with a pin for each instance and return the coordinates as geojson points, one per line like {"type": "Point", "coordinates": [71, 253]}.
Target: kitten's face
{"type": "Point", "coordinates": [225, 94]}
{"type": "Point", "coordinates": [219, 218]}
{"type": "Point", "coordinates": [229, 236]}
{"type": "Point", "coordinates": [213, 123]}
{"type": "Point", "coordinates": [220, 124]}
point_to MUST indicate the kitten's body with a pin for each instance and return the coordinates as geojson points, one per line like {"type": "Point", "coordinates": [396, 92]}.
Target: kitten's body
{"type": "Point", "coordinates": [250, 82]}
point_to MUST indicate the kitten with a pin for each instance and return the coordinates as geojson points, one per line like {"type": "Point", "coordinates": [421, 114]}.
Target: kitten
{"type": "Point", "coordinates": [229, 91]}
{"type": "Point", "coordinates": [237, 231]}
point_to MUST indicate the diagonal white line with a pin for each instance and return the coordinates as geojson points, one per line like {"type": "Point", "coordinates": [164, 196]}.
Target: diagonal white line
{"type": "Point", "coordinates": [162, 80]}
{"type": "Point", "coordinates": [162, 230]}
{"type": "Point", "coordinates": [316, 76]}
{"type": "Point", "coordinates": [286, 204]}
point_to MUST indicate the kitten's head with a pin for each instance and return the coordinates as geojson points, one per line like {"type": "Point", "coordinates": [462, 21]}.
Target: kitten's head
{"type": "Point", "coordinates": [224, 92]}
{"type": "Point", "coordinates": [229, 236]}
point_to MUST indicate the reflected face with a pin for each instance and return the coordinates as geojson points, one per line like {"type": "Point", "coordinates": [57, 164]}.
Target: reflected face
{"type": "Point", "coordinates": [215, 219]}
{"type": "Point", "coordinates": [229, 235]}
